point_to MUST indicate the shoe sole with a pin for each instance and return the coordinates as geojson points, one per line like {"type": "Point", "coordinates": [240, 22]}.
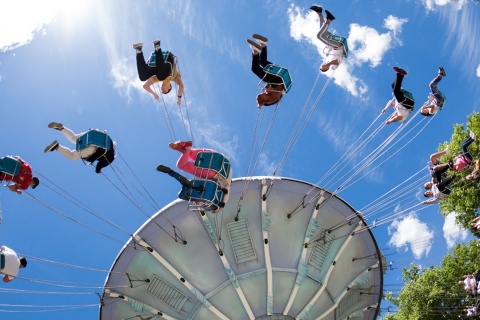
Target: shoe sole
{"type": "Point", "coordinates": [55, 125]}
{"type": "Point", "coordinates": [254, 44]}
{"type": "Point", "coordinates": [51, 146]}
{"type": "Point", "coordinates": [259, 37]}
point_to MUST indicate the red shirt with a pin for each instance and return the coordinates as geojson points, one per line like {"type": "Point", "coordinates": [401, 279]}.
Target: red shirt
{"type": "Point", "coordinates": [23, 178]}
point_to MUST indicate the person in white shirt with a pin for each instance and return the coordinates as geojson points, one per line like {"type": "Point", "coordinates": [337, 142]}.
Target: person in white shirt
{"type": "Point", "coordinates": [336, 51]}
{"type": "Point", "coordinates": [10, 264]}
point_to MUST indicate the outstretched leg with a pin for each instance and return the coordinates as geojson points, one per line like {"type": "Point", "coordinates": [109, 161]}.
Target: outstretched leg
{"type": "Point", "coordinates": [435, 156]}
{"type": "Point", "coordinates": [144, 71]}
{"type": "Point", "coordinates": [70, 135]}
{"type": "Point", "coordinates": [162, 68]}
{"type": "Point", "coordinates": [465, 145]}
{"type": "Point", "coordinates": [439, 170]}
{"type": "Point", "coordinates": [397, 86]}
{"type": "Point", "coordinates": [434, 83]}
{"type": "Point", "coordinates": [256, 68]}
{"type": "Point", "coordinates": [442, 186]}
{"type": "Point", "coordinates": [324, 35]}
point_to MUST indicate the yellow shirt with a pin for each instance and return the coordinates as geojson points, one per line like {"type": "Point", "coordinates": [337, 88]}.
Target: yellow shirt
{"type": "Point", "coordinates": [173, 76]}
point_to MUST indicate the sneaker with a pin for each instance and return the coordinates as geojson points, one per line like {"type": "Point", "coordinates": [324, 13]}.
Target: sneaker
{"type": "Point", "coordinates": [51, 147]}
{"type": "Point", "coordinates": [329, 15]}
{"type": "Point", "coordinates": [156, 44]}
{"type": "Point", "coordinates": [316, 8]}
{"type": "Point", "coordinates": [260, 39]}
{"type": "Point", "coordinates": [164, 169]}
{"type": "Point", "coordinates": [255, 46]}
{"type": "Point", "coordinates": [184, 144]}
{"type": "Point", "coordinates": [55, 125]}
{"type": "Point", "coordinates": [138, 47]}
{"type": "Point", "coordinates": [473, 136]}
{"type": "Point", "coordinates": [442, 71]}
{"type": "Point", "coordinates": [400, 71]}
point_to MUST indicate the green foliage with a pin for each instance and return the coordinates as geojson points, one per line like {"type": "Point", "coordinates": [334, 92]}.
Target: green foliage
{"type": "Point", "coordinates": [434, 292]}
{"type": "Point", "coordinates": [465, 196]}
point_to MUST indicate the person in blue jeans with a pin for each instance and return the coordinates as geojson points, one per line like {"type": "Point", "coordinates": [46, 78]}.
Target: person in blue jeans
{"type": "Point", "coordinates": [436, 99]}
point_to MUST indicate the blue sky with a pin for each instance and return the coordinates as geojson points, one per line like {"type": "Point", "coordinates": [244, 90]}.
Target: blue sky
{"type": "Point", "coordinates": [73, 62]}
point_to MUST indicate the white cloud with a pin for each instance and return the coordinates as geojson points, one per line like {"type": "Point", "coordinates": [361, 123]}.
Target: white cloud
{"type": "Point", "coordinates": [24, 18]}
{"type": "Point", "coordinates": [432, 4]}
{"type": "Point", "coordinates": [394, 24]}
{"type": "Point", "coordinates": [412, 232]}
{"type": "Point", "coordinates": [478, 71]}
{"type": "Point", "coordinates": [452, 232]}
{"type": "Point", "coordinates": [366, 45]}
{"type": "Point", "coordinates": [21, 19]}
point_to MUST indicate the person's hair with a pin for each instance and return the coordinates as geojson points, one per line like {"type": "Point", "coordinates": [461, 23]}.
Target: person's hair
{"type": "Point", "coordinates": [427, 195]}
{"type": "Point", "coordinates": [36, 182]}
{"type": "Point", "coordinates": [270, 104]}
{"type": "Point", "coordinates": [168, 89]}
{"type": "Point", "coordinates": [23, 262]}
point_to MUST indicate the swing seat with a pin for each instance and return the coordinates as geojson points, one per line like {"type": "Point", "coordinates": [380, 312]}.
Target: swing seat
{"type": "Point", "coordinates": [11, 166]}
{"type": "Point", "coordinates": [93, 138]}
{"type": "Point", "coordinates": [206, 161]}
{"type": "Point", "coordinates": [282, 73]}
{"type": "Point", "coordinates": [152, 60]}
{"type": "Point", "coordinates": [340, 39]}
{"type": "Point", "coordinates": [210, 199]}
{"type": "Point", "coordinates": [408, 94]}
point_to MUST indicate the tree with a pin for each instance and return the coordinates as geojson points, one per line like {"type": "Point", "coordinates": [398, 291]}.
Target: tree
{"type": "Point", "coordinates": [465, 196]}
{"type": "Point", "coordinates": [434, 292]}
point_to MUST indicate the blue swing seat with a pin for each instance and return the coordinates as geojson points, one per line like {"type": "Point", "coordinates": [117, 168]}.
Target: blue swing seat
{"type": "Point", "coordinates": [94, 138]}
{"type": "Point", "coordinates": [340, 39]}
{"type": "Point", "coordinates": [11, 166]}
{"type": "Point", "coordinates": [210, 199]}
{"type": "Point", "coordinates": [153, 58]}
{"type": "Point", "coordinates": [282, 73]}
{"type": "Point", "coordinates": [206, 161]}
{"type": "Point", "coordinates": [408, 94]}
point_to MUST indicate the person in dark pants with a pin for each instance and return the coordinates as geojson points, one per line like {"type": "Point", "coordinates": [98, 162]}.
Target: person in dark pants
{"type": "Point", "coordinates": [158, 70]}
{"type": "Point", "coordinates": [187, 185]}
{"type": "Point", "coordinates": [274, 89]}
{"type": "Point", "coordinates": [402, 104]}
{"type": "Point", "coordinates": [397, 89]}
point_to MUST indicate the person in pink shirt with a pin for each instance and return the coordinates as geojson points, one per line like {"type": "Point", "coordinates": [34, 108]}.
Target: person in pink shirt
{"type": "Point", "coordinates": [459, 162]}
{"type": "Point", "coordinates": [186, 162]}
